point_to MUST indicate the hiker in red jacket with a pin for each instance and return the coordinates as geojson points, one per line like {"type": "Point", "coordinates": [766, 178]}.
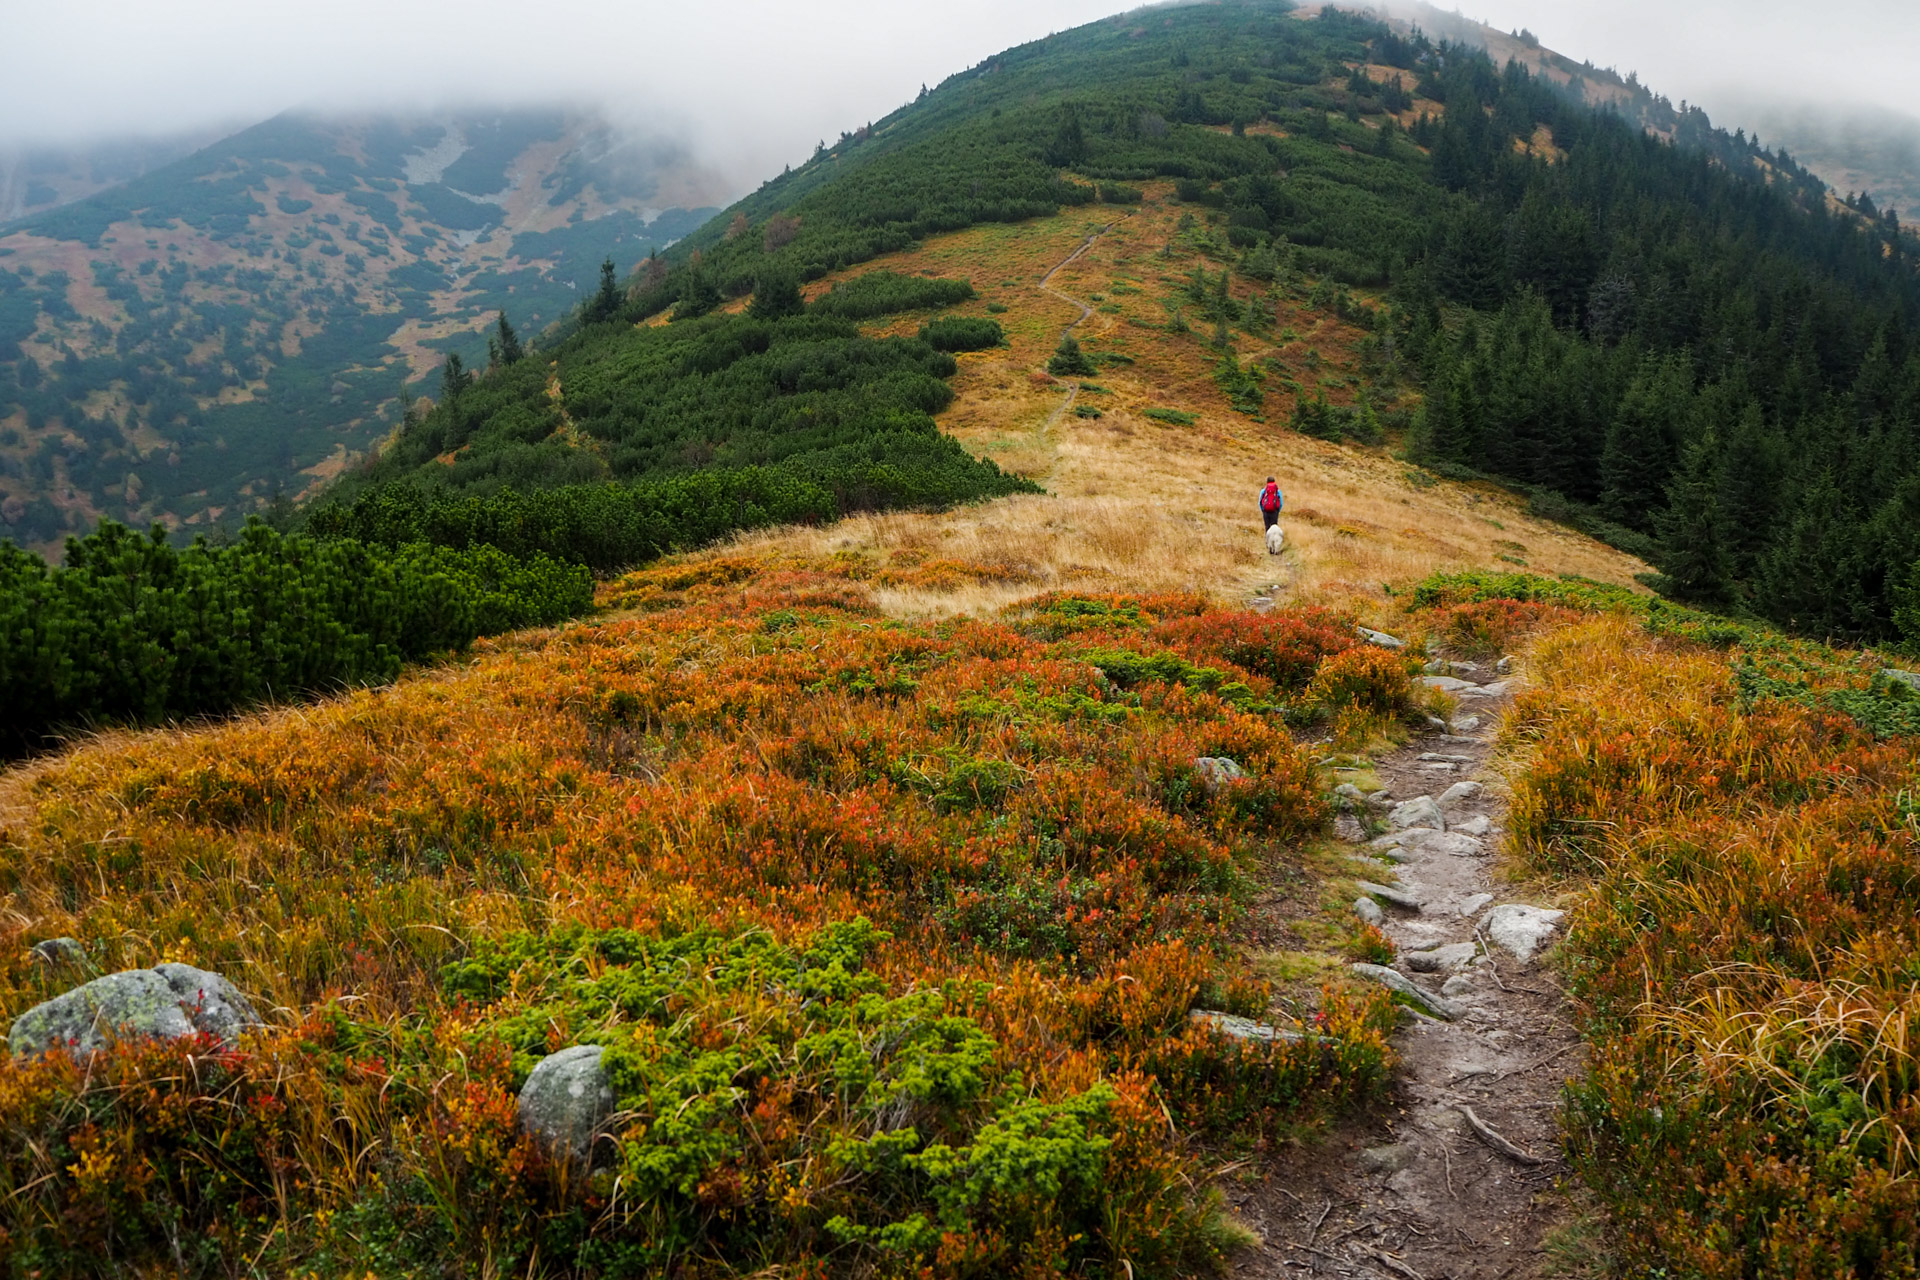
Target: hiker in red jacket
{"type": "Point", "coordinates": [1270, 503]}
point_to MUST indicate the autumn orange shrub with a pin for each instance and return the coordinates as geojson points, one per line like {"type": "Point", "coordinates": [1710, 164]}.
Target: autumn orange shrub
{"type": "Point", "coordinates": [1484, 628]}
{"type": "Point", "coordinates": [1365, 678]}
{"type": "Point", "coordinates": [657, 833]}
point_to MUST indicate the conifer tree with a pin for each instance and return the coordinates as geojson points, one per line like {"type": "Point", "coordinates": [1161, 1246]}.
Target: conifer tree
{"type": "Point", "coordinates": [606, 301]}
{"type": "Point", "coordinates": [503, 345]}
{"type": "Point", "coordinates": [1068, 361]}
{"type": "Point", "coordinates": [454, 378]}
{"type": "Point", "coordinates": [1692, 526]}
{"type": "Point", "coordinates": [1642, 441]}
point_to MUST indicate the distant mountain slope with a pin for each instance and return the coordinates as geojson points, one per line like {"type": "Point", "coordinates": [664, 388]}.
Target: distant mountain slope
{"type": "Point", "coordinates": [238, 324]}
{"type": "Point", "coordinates": [1851, 151]}
{"type": "Point", "coordinates": [35, 178]}
{"type": "Point", "coordinates": [1865, 151]}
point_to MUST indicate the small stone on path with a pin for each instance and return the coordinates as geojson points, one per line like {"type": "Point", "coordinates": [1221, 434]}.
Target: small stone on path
{"type": "Point", "coordinates": [1445, 959]}
{"type": "Point", "coordinates": [1369, 911]}
{"type": "Point", "coordinates": [1421, 811]}
{"type": "Point", "coordinates": [1391, 1158]}
{"type": "Point", "coordinates": [1449, 684]}
{"type": "Point", "coordinates": [1459, 793]}
{"type": "Point", "coordinates": [1440, 1008]}
{"type": "Point", "coordinates": [1474, 905]}
{"type": "Point", "coordinates": [1478, 825]}
{"type": "Point", "coordinates": [1521, 929]}
{"type": "Point", "coordinates": [1393, 897]}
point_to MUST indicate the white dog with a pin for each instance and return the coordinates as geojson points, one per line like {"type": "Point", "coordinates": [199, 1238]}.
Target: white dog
{"type": "Point", "coordinates": [1275, 541]}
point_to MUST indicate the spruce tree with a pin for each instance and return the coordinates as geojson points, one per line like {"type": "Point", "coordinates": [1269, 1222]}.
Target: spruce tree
{"type": "Point", "coordinates": [606, 301]}
{"type": "Point", "coordinates": [1692, 526]}
{"type": "Point", "coordinates": [1642, 441]}
{"type": "Point", "coordinates": [503, 347]}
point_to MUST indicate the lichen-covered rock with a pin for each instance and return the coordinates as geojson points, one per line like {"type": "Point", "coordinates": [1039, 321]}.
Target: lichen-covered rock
{"type": "Point", "coordinates": [567, 1102]}
{"type": "Point", "coordinates": [1217, 771]}
{"type": "Point", "coordinates": [1238, 1028]}
{"type": "Point", "coordinates": [58, 951]}
{"type": "Point", "coordinates": [136, 1003]}
{"type": "Point", "coordinates": [170, 1002]}
{"type": "Point", "coordinates": [214, 1005]}
{"type": "Point", "coordinates": [1438, 1006]}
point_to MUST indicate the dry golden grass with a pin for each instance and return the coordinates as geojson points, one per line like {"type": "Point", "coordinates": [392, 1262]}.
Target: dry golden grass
{"type": "Point", "coordinates": [1139, 504]}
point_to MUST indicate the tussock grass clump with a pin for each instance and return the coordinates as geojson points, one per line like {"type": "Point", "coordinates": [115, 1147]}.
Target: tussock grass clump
{"type": "Point", "coordinates": [891, 932]}
{"type": "Point", "coordinates": [1744, 960]}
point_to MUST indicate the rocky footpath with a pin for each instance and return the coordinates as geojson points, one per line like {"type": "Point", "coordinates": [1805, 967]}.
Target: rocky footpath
{"type": "Point", "coordinates": [1453, 1174]}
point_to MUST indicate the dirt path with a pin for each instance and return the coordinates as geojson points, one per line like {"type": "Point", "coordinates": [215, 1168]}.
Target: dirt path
{"type": "Point", "coordinates": [1086, 310]}
{"type": "Point", "coordinates": [1418, 1186]}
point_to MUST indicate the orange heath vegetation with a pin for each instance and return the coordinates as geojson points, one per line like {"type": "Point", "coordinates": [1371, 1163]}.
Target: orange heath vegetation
{"type": "Point", "coordinates": [891, 931]}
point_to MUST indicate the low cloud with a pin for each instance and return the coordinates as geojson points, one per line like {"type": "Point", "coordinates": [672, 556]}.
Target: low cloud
{"type": "Point", "coordinates": [752, 84]}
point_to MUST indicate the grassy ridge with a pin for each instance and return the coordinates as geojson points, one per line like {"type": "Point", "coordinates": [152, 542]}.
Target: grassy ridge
{"type": "Point", "coordinates": [891, 930]}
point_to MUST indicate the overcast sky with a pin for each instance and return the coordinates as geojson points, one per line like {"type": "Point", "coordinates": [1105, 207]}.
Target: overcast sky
{"type": "Point", "coordinates": [755, 83]}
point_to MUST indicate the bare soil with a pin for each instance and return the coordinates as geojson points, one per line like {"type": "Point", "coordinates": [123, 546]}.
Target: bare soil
{"type": "Point", "coordinates": [1408, 1188]}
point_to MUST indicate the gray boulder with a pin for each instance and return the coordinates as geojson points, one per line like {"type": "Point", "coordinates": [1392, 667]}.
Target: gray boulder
{"type": "Point", "coordinates": [1421, 811]}
{"type": "Point", "coordinates": [170, 1002]}
{"type": "Point", "coordinates": [1454, 955]}
{"type": "Point", "coordinates": [214, 1005]}
{"type": "Point", "coordinates": [1393, 897]}
{"type": "Point", "coordinates": [1909, 678]}
{"type": "Point", "coordinates": [1521, 930]}
{"type": "Point", "coordinates": [1459, 793]}
{"type": "Point", "coordinates": [59, 951]}
{"type": "Point", "coordinates": [1216, 771]}
{"type": "Point", "coordinates": [1369, 911]}
{"type": "Point", "coordinates": [567, 1102]}
{"type": "Point", "coordinates": [1238, 1028]}
{"type": "Point", "coordinates": [1381, 638]}
{"type": "Point", "coordinates": [1447, 684]}
{"type": "Point", "coordinates": [1478, 825]}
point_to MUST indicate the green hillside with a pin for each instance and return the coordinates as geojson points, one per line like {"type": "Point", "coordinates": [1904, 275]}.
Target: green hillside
{"type": "Point", "coordinates": [1673, 337]}
{"type": "Point", "coordinates": [236, 325]}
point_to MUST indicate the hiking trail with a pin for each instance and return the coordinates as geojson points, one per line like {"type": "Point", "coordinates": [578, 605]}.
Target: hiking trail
{"type": "Point", "coordinates": [1452, 1173]}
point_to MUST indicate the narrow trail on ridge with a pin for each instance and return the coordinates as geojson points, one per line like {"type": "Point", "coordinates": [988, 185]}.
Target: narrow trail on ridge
{"type": "Point", "coordinates": [1452, 1173]}
{"type": "Point", "coordinates": [1086, 310]}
